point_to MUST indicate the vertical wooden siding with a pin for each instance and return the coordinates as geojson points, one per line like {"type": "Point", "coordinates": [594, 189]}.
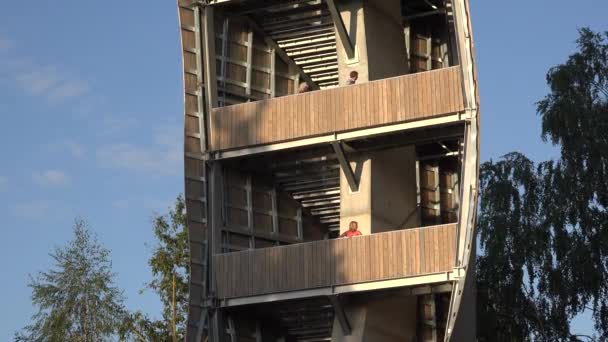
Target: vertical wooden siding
{"type": "Point", "coordinates": [383, 256]}
{"type": "Point", "coordinates": [393, 100]}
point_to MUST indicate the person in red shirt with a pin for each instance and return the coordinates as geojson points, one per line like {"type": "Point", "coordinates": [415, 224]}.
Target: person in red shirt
{"type": "Point", "coordinates": [353, 230]}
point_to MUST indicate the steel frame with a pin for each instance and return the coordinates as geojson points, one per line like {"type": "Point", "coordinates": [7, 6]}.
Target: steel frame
{"type": "Point", "coordinates": [417, 281]}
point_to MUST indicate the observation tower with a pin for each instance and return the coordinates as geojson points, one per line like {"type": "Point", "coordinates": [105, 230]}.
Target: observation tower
{"type": "Point", "coordinates": [303, 116]}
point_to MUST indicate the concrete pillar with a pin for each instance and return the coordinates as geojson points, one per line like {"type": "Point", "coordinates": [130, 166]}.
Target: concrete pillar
{"type": "Point", "coordinates": [386, 198]}
{"type": "Point", "coordinates": [357, 206]}
{"type": "Point", "coordinates": [376, 30]}
{"type": "Point", "coordinates": [390, 319]}
{"type": "Point", "coordinates": [393, 193]}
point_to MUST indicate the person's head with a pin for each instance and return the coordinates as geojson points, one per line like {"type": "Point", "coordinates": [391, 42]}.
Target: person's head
{"type": "Point", "coordinates": [354, 75]}
{"type": "Point", "coordinates": [353, 225]}
{"type": "Point", "coordinates": [304, 87]}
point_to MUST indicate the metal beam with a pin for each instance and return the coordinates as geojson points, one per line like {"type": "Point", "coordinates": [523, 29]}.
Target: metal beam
{"type": "Point", "coordinates": [273, 45]}
{"type": "Point", "coordinates": [357, 134]}
{"type": "Point", "coordinates": [426, 280]}
{"type": "Point", "coordinates": [423, 14]}
{"type": "Point", "coordinates": [340, 314]}
{"type": "Point", "coordinates": [249, 62]}
{"type": "Point", "coordinates": [209, 57]}
{"type": "Point", "coordinates": [345, 166]}
{"type": "Point", "coordinates": [349, 47]}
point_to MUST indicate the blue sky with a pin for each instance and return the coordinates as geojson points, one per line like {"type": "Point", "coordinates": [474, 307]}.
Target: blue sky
{"type": "Point", "coordinates": [91, 108]}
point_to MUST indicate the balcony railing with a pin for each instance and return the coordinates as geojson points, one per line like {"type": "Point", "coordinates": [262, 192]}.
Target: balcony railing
{"type": "Point", "coordinates": [384, 256]}
{"type": "Point", "coordinates": [388, 101]}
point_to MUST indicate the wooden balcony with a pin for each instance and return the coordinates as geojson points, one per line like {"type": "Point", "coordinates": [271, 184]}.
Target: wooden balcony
{"type": "Point", "coordinates": [327, 263]}
{"type": "Point", "coordinates": [383, 102]}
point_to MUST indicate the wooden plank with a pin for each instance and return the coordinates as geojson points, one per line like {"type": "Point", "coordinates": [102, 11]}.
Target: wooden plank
{"type": "Point", "coordinates": [398, 250]}
{"type": "Point", "coordinates": [439, 87]}
{"type": "Point", "coordinates": [377, 256]}
{"type": "Point", "coordinates": [426, 94]}
{"type": "Point", "coordinates": [419, 245]}
{"type": "Point", "coordinates": [340, 261]}
{"type": "Point", "coordinates": [431, 252]}
{"type": "Point", "coordinates": [415, 86]}
{"type": "Point", "coordinates": [375, 105]}
{"type": "Point", "coordinates": [347, 261]}
{"type": "Point", "coordinates": [363, 265]}
{"type": "Point", "coordinates": [406, 95]}
{"type": "Point", "coordinates": [411, 252]}
{"type": "Point", "coordinates": [448, 95]}
{"type": "Point", "coordinates": [456, 90]}
{"type": "Point", "coordinates": [399, 103]}
{"type": "Point", "coordinates": [324, 259]}
{"type": "Point", "coordinates": [441, 248]}
{"type": "Point", "coordinates": [392, 262]}
{"type": "Point", "coordinates": [436, 92]}
{"type": "Point", "coordinates": [396, 103]}
{"type": "Point", "coordinates": [452, 244]}
{"type": "Point", "coordinates": [385, 99]}
{"type": "Point", "coordinates": [289, 263]}
{"type": "Point", "coordinates": [446, 86]}
{"type": "Point", "coordinates": [350, 106]}
{"type": "Point", "coordinates": [429, 95]}
{"type": "Point", "coordinates": [435, 242]}
{"type": "Point", "coordinates": [419, 100]}
{"type": "Point", "coordinates": [445, 247]}
{"type": "Point", "coordinates": [390, 252]}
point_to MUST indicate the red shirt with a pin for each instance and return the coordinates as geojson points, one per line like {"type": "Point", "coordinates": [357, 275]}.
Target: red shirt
{"type": "Point", "coordinates": [351, 233]}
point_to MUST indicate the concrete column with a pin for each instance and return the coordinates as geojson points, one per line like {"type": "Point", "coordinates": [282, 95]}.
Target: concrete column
{"type": "Point", "coordinates": [394, 190]}
{"type": "Point", "coordinates": [391, 319]}
{"type": "Point", "coordinates": [357, 206]}
{"type": "Point", "coordinates": [375, 28]}
{"type": "Point", "coordinates": [386, 198]}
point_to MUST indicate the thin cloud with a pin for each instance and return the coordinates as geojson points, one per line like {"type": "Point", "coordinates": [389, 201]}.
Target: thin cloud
{"type": "Point", "coordinates": [50, 83]}
{"type": "Point", "coordinates": [151, 204]}
{"type": "Point", "coordinates": [70, 147]}
{"type": "Point", "coordinates": [112, 125]}
{"type": "Point", "coordinates": [32, 210]}
{"type": "Point", "coordinates": [41, 209]}
{"type": "Point", "coordinates": [163, 157]}
{"type": "Point", "coordinates": [42, 80]}
{"type": "Point", "coordinates": [3, 182]}
{"type": "Point", "coordinates": [155, 161]}
{"type": "Point", "coordinates": [5, 44]}
{"type": "Point", "coordinates": [120, 204]}
{"type": "Point", "coordinates": [51, 178]}
{"type": "Point", "coordinates": [68, 89]}
{"type": "Point", "coordinates": [37, 81]}
{"type": "Point", "coordinates": [157, 205]}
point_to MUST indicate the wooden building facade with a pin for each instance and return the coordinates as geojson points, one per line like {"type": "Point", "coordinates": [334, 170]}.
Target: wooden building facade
{"type": "Point", "coordinates": [303, 116]}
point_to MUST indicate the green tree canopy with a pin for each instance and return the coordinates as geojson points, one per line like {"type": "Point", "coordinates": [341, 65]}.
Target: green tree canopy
{"type": "Point", "coordinates": [77, 300]}
{"type": "Point", "coordinates": [169, 265]}
{"type": "Point", "coordinates": [543, 229]}
{"type": "Point", "coordinates": [171, 259]}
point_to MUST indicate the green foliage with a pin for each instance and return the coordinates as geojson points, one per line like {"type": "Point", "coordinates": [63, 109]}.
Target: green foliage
{"type": "Point", "coordinates": [139, 327]}
{"type": "Point", "coordinates": [170, 258]}
{"type": "Point", "coordinates": [77, 299]}
{"type": "Point", "coordinates": [543, 230]}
